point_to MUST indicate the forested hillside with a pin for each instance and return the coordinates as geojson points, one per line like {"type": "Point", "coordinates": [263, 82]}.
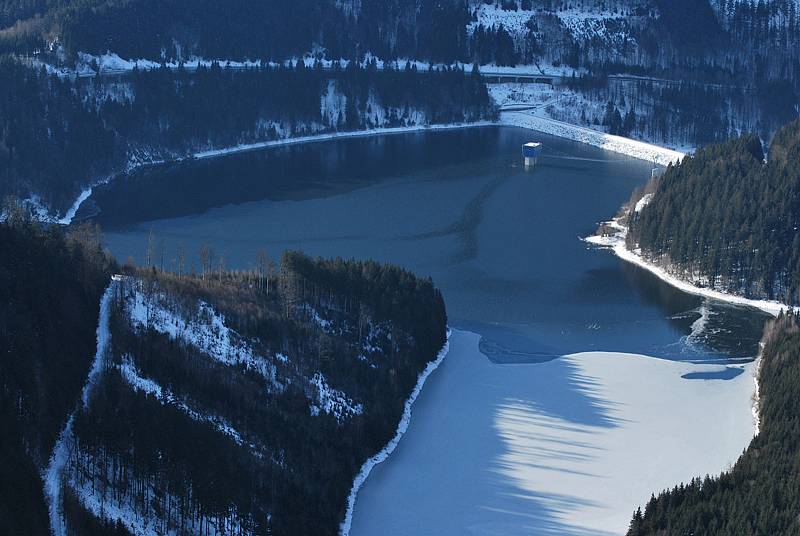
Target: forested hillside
{"type": "Point", "coordinates": [276, 30]}
{"type": "Point", "coordinates": [761, 493]}
{"type": "Point", "coordinates": [58, 135]}
{"type": "Point", "coordinates": [730, 40]}
{"type": "Point", "coordinates": [246, 402]}
{"type": "Point", "coordinates": [51, 283]}
{"type": "Point", "coordinates": [725, 219]}
{"type": "Point", "coordinates": [693, 71]}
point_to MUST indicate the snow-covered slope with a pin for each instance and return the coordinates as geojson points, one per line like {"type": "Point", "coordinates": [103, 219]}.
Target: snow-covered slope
{"type": "Point", "coordinates": [493, 16]}
{"type": "Point", "coordinates": [608, 22]}
{"type": "Point", "coordinates": [226, 403]}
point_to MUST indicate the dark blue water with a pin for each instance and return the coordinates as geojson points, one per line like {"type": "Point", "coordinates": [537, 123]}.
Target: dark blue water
{"type": "Point", "coordinates": [501, 242]}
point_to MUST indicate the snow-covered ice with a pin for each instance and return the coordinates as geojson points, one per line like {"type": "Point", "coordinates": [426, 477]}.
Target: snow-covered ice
{"type": "Point", "coordinates": [567, 447]}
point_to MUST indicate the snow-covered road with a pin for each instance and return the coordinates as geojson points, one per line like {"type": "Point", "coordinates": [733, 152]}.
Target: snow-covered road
{"type": "Point", "coordinates": [61, 450]}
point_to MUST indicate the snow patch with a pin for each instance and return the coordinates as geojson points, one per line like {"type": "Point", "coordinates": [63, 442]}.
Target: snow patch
{"type": "Point", "coordinates": [129, 373]}
{"type": "Point", "coordinates": [756, 408]}
{"type": "Point", "coordinates": [416, 127]}
{"type": "Point", "coordinates": [643, 202]}
{"type": "Point", "coordinates": [333, 105]}
{"type": "Point", "coordinates": [493, 16]}
{"type": "Point", "coordinates": [141, 518]}
{"type": "Point", "coordinates": [332, 401]}
{"type": "Point", "coordinates": [324, 324]}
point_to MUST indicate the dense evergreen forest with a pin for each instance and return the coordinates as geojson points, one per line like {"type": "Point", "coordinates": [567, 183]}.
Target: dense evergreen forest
{"type": "Point", "coordinates": [761, 493]}
{"type": "Point", "coordinates": [726, 219]}
{"type": "Point", "coordinates": [700, 40]}
{"type": "Point", "coordinates": [276, 30]}
{"type": "Point", "coordinates": [51, 282]}
{"type": "Point", "coordinates": [246, 402]}
{"type": "Point", "coordinates": [57, 135]}
{"type": "Point", "coordinates": [709, 69]}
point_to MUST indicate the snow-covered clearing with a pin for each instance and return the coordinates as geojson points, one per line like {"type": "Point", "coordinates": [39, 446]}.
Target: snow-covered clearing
{"type": "Point", "coordinates": [383, 454]}
{"type": "Point", "coordinates": [523, 94]}
{"type": "Point", "coordinates": [492, 16]}
{"type": "Point", "coordinates": [616, 243]}
{"type": "Point", "coordinates": [617, 144]}
{"type": "Point", "coordinates": [60, 457]}
{"type": "Point", "coordinates": [566, 106]}
{"type": "Point", "coordinates": [586, 26]}
{"type": "Point", "coordinates": [567, 447]}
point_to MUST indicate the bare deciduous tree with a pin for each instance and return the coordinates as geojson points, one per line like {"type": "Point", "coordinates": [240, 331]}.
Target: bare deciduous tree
{"type": "Point", "coordinates": [205, 256]}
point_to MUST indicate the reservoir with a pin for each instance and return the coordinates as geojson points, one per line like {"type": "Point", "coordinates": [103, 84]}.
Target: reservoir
{"type": "Point", "coordinates": [522, 290]}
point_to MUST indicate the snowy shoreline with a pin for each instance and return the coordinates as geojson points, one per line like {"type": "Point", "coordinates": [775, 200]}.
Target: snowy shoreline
{"type": "Point", "coordinates": [255, 146]}
{"type": "Point", "coordinates": [616, 243]}
{"type": "Point", "coordinates": [336, 136]}
{"type": "Point", "coordinates": [617, 144]}
{"type": "Point", "coordinates": [383, 454]}
{"type": "Point", "coordinates": [609, 142]}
